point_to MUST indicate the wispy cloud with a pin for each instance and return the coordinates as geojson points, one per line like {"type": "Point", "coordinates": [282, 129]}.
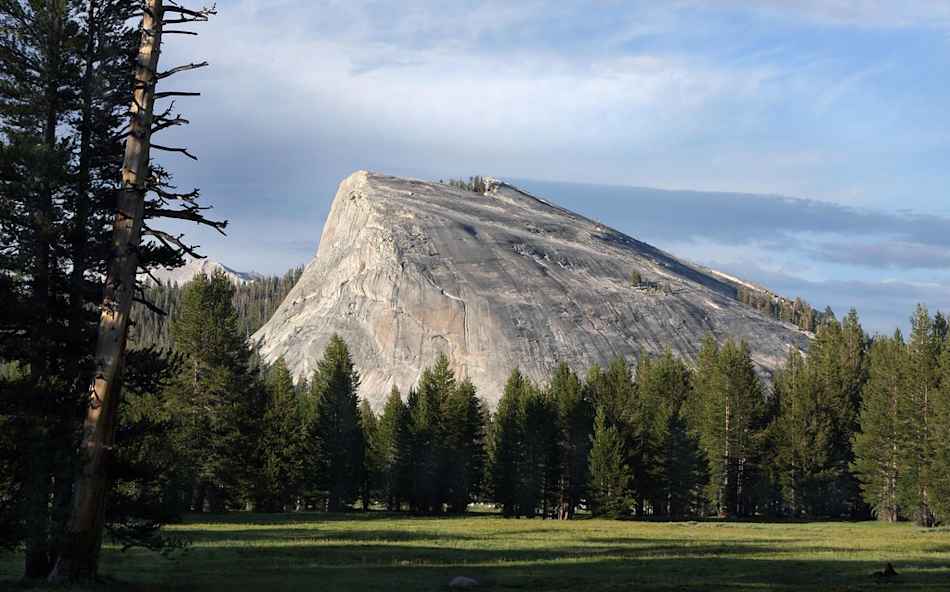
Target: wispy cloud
{"type": "Point", "coordinates": [838, 100]}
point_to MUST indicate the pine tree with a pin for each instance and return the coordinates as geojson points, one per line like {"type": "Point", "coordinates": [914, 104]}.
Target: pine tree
{"type": "Point", "coordinates": [941, 429]}
{"type": "Point", "coordinates": [372, 455]}
{"type": "Point", "coordinates": [539, 472]}
{"type": "Point", "coordinates": [674, 462]}
{"type": "Point", "coordinates": [575, 426]}
{"type": "Point", "coordinates": [612, 389]}
{"type": "Point", "coordinates": [212, 403]}
{"type": "Point", "coordinates": [730, 415]}
{"type": "Point", "coordinates": [836, 367]}
{"type": "Point", "coordinates": [805, 433]}
{"type": "Point", "coordinates": [255, 302]}
{"type": "Point", "coordinates": [426, 411]}
{"type": "Point", "coordinates": [659, 389]}
{"type": "Point", "coordinates": [335, 438]}
{"type": "Point", "coordinates": [916, 411]}
{"type": "Point", "coordinates": [507, 444]}
{"type": "Point", "coordinates": [615, 391]}
{"type": "Point", "coordinates": [609, 473]}
{"type": "Point", "coordinates": [685, 471]}
{"type": "Point", "coordinates": [464, 446]}
{"type": "Point", "coordinates": [877, 447]}
{"type": "Point", "coordinates": [394, 446]}
{"type": "Point", "coordinates": [37, 92]}
{"type": "Point", "coordinates": [282, 442]}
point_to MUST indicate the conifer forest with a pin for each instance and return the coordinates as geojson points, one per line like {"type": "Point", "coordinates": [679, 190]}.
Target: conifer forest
{"type": "Point", "coordinates": [140, 419]}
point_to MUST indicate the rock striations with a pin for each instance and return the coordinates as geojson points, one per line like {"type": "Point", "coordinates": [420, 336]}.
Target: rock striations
{"type": "Point", "coordinates": [407, 269]}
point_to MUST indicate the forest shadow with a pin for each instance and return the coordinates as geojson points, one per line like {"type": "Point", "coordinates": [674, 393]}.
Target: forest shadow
{"type": "Point", "coordinates": [359, 565]}
{"type": "Point", "coordinates": [396, 559]}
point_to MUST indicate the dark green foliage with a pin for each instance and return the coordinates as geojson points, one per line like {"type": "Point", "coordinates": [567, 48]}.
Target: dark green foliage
{"type": "Point", "coordinates": [674, 459]}
{"type": "Point", "coordinates": [215, 404]}
{"type": "Point", "coordinates": [538, 491]}
{"type": "Point", "coordinates": [917, 410]}
{"type": "Point", "coordinates": [797, 312]}
{"type": "Point", "coordinates": [254, 302]}
{"type": "Point", "coordinates": [819, 399]}
{"type": "Point", "coordinates": [145, 468]}
{"type": "Point", "coordinates": [464, 447]}
{"type": "Point", "coordinates": [730, 415]}
{"type": "Point", "coordinates": [372, 455]}
{"type": "Point", "coordinates": [282, 441]}
{"type": "Point", "coordinates": [940, 497]}
{"type": "Point", "coordinates": [426, 413]}
{"type": "Point", "coordinates": [575, 425]}
{"type": "Point", "coordinates": [526, 461]}
{"type": "Point", "coordinates": [506, 448]}
{"type": "Point", "coordinates": [393, 446]}
{"type": "Point", "coordinates": [446, 430]}
{"type": "Point", "coordinates": [336, 446]}
{"type": "Point", "coordinates": [610, 475]}
{"type": "Point", "coordinates": [878, 446]}
{"type": "Point", "coordinates": [65, 87]}
{"type": "Point", "coordinates": [635, 413]}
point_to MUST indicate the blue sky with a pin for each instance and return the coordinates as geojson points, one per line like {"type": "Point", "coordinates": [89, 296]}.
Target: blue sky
{"type": "Point", "coordinates": [830, 114]}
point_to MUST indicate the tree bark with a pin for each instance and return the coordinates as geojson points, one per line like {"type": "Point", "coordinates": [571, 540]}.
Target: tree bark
{"type": "Point", "coordinates": [80, 555]}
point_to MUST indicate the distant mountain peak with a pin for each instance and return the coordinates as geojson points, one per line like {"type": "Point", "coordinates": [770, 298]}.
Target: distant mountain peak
{"type": "Point", "coordinates": [183, 275]}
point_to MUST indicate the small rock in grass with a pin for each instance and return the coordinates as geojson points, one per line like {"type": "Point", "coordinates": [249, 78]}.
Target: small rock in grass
{"type": "Point", "coordinates": [888, 572]}
{"type": "Point", "coordinates": [463, 582]}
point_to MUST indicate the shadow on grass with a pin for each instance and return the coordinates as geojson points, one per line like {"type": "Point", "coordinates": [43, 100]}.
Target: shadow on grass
{"type": "Point", "coordinates": [397, 559]}
{"type": "Point", "coordinates": [274, 553]}
{"type": "Point", "coordinates": [361, 567]}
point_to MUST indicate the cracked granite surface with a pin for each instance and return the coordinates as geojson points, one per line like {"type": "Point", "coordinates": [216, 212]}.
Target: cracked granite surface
{"type": "Point", "coordinates": [407, 269]}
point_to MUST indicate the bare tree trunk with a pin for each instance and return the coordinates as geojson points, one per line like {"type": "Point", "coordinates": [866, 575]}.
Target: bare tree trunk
{"type": "Point", "coordinates": [80, 555]}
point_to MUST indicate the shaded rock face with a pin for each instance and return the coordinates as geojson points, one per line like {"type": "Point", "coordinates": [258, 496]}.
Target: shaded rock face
{"type": "Point", "coordinates": [408, 269]}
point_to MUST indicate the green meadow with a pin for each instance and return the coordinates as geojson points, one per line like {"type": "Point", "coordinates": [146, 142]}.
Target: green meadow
{"type": "Point", "coordinates": [380, 551]}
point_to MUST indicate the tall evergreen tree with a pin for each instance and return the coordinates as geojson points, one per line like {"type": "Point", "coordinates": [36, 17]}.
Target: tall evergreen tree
{"type": "Point", "coordinates": [394, 448]}
{"type": "Point", "coordinates": [877, 447]}
{"type": "Point", "coordinates": [941, 428]}
{"type": "Point", "coordinates": [427, 415]}
{"type": "Point", "coordinates": [372, 455]}
{"type": "Point", "coordinates": [675, 463]}
{"type": "Point", "coordinates": [464, 454]}
{"type": "Point", "coordinates": [805, 432]}
{"type": "Point", "coordinates": [730, 416]}
{"type": "Point", "coordinates": [335, 437]}
{"type": "Point", "coordinates": [507, 444]}
{"type": "Point", "coordinates": [575, 426]}
{"type": "Point", "coordinates": [916, 416]}
{"type": "Point", "coordinates": [538, 490]}
{"type": "Point", "coordinates": [609, 473]}
{"type": "Point", "coordinates": [38, 87]}
{"type": "Point", "coordinates": [282, 441]}
{"type": "Point", "coordinates": [613, 391]}
{"type": "Point", "coordinates": [213, 404]}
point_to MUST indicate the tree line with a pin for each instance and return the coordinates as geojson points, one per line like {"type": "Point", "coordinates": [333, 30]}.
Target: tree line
{"type": "Point", "coordinates": [857, 427]}
{"type": "Point", "coordinates": [254, 302]}
{"type": "Point", "coordinates": [797, 312]}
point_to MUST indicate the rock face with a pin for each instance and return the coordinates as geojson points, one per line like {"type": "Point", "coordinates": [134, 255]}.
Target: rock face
{"type": "Point", "coordinates": [186, 273]}
{"type": "Point", "coordinates": [407, 269]}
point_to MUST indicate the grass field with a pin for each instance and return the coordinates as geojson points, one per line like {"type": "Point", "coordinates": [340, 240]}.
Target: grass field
{"type": "Point", "coordinates": [381, 552]}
